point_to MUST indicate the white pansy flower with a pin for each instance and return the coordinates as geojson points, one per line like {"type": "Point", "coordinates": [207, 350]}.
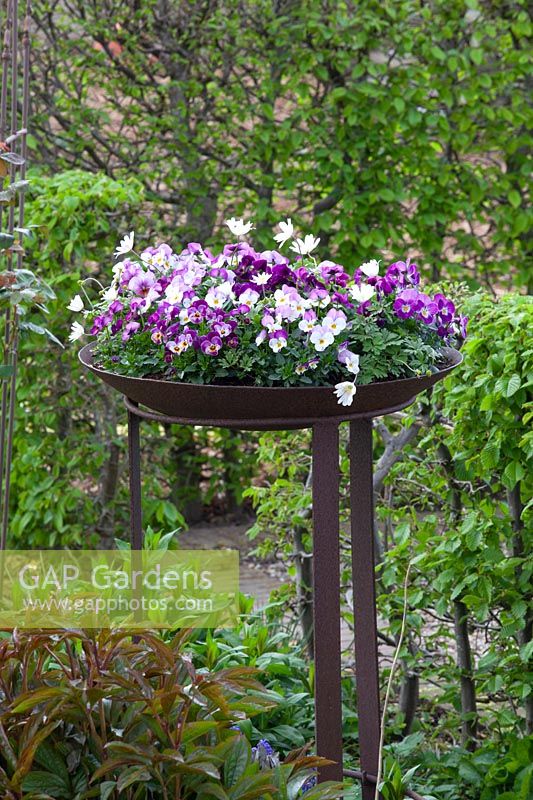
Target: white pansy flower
{"type": "Point", "coordinates": [282, 297]}
{"type": "Point", "coordinates": [76, 304]}
{"type": "Point", "coordinates": [277, 343]}
{"type": "Point", "coordinates": [76, 332]}
{"type": "Point", "coordinates": [174, 293]}
{"type": "Point", "coordinates": [362, 293]}
{"type": "Point", "coordinates": [300, 305]}
{"type": "Point", "coordinates": [336, 323]}
{"type": "Point", "coordinates": [305, 246]}
{"type": "Point", "coordinates": [287, 230]}
{"type": "Point", "coordinates": [345, 392]}
{"type": "Point", "coordinates": [321, 337]}
{"type": "Point", "coordinates": [351, 362]}
{"type": "Point", "coordinates": [239, 227]}
{"type": "Point", "coordinates": [126, 244]}
{"type": "Point", "coordinates": [215, 299]}
{"type": "Point", "coordinates": [226, 288]}
{"type": "Point", "coordinates": [110, 294]}
{"type": "Point", "coordinates": [370, 268]}
{"type": "Point", "coordinates": [249, 297]}
{"type": "Point", "coordinates": [307, 325]}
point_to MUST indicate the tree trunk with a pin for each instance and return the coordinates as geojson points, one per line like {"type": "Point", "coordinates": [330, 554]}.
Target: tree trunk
{"type": "Point", "coordinates": [462, 640]}
{"type": "Point", "coordinates": [304, 588]}
{"type": "Point", "coordinates": [409, 694]}
{"type": "Point", "coordinates": [468, 686]}
{"type": "Point", "coordinates": [519, 551]}
{"type": "Point", "coordinates": [109, 475]}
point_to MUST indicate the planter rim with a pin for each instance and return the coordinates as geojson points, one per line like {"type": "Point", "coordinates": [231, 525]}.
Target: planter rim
{"type": "Point", "coordinates": [263, 407]}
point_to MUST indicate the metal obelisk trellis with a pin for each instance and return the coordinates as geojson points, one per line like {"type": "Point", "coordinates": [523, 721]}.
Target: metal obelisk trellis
{"type": "Point", "coordinates": [326, 581]}
{"type": "Point", "coordinates": [14, 107]}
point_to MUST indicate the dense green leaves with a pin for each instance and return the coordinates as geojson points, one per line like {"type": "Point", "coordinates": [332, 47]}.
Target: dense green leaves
{"type": "Point", "coordinates": [457, 506]}
{"type": "Point", "coordinates": [106, 717]}
{"type": "Point", "coordinates": [347, 115]}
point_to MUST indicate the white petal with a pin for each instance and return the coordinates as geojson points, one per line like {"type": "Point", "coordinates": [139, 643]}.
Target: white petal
{"type": "Point", "coordinates": [362, 293]}
{"type": "Point", "coordinates": [370, 268]}
{"type": "Point", "coordinates": [299, 247]}
{"type": "Point", "coordinates": [110, 294]}
{"type": "Point", "coordinates": [345, 391]}
{"type": "Point", "coordinates": [311, 243]}
{"type": "Point", "coordinates": [238, 227]}
{"type": "Point", "coordinates": [76, 304]}
{"type": "Point", "coordinates": [76, 332]}
{"type": "Point", "coordinates": [126, 244]}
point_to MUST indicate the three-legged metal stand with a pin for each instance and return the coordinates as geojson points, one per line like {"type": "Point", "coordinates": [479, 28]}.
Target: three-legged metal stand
{"type": "Point", "coordinates": [326, 583]}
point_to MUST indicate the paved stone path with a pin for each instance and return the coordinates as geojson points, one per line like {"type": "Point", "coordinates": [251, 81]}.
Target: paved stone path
{"type": "Point", "coordinates": [256, 579]}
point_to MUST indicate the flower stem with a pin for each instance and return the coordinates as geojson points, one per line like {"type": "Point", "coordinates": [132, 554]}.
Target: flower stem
{"type": "Point", "coordinates": [391, 678]}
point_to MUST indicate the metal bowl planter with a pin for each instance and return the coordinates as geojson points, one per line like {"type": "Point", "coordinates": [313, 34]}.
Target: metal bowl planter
{"type": "Point", "coordinates": [260, 408]}
{"type": "Point", "coordinates": [279, 408]}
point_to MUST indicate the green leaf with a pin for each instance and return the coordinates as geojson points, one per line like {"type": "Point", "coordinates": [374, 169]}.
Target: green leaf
{"type": "Point", "coordinates": [132, 775]}
{"type": "Point", "coordinates": [513, 473]}
{"type": "Point", "coordinates": [513, 385]}
{"type": "Point", "coordinates": [490, 455]}
{"type": "Point", "coordinates": [469, 773]}
{"type": "Point", "coordinates": [106, 789]}
{"type": "Point", "coordinates": [54, 785]}
{"type": "Point", "coordinates": [514, 198]}
{"type": "Point", "coordinates": [31, 699]}
{"type": "Point", "coordinates": [193, 730]}
{"type": "Point", "coordinates": [237, 760]}
{"type": "Point", "coordinates": [6, 240]}
{"type": "Point", "coordinates": [399, 104]}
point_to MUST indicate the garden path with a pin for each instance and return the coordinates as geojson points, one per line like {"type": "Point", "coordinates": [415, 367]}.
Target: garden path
{"type": "Point", "coordinates": [258, 578]}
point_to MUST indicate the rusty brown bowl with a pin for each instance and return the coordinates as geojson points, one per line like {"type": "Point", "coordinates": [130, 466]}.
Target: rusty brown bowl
{"type": "Point", "coordinates": [265, 408]}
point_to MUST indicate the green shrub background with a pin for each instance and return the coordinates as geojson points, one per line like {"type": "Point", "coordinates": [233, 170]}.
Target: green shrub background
{"type": "Point", "coordinates": [388, 129]}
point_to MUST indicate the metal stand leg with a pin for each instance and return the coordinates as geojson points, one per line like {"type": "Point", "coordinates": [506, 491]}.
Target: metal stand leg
{"type": "Point", "coordinates": [134, 451]}
{"type": "Point", "coordinates": [326, 582]}
{"type": "Point", "coordinates": [364, 598]}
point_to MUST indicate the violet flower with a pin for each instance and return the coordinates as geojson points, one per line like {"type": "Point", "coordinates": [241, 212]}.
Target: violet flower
{"type": "Point", "coordinates": [129, 330]}
{"type": "Point", "coordinates": [210, 344]}
{"type": "Point", "coordinates": [406, 304]}
{"type": "Point", "coordinates": [277, 340]}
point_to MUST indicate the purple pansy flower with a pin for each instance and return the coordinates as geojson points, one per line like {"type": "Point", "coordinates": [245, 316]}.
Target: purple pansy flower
{"type": "Point", "coordinates": [130, 328]}
{"type": "Point", "coordinates": [445, 307]}
{"type": "Point", "coordinates": [211, 344]}
{"type": "Point", "coordinates": [141, 283]}
{"type": "Point", "coordinates": [427, 309]}
{"type": "Point", "coordinates": [116, 307]}
{"type": "Point", "coordinates": [99, 323]}
{"type": "Point", "coordinates": [129, 270]}
{"type": "Point", "coordinates": [406, 304]}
